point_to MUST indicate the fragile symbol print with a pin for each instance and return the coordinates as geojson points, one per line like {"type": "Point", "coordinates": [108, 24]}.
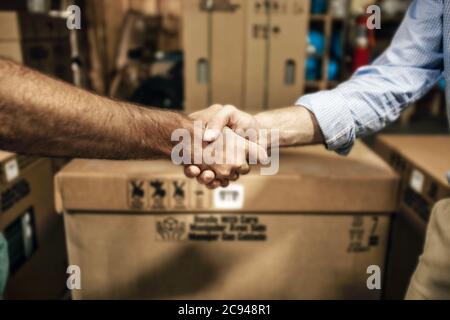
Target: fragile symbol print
{"type": "Point", "coordinates": [137, 194]}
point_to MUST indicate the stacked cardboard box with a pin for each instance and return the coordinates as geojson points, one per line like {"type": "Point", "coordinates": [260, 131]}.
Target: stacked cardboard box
{"type": "Point", "coordinates": [142, 230]}
{"type": "Point", "coordinates": [37, 40]}
{"type": "Point", "coordinates": [10, 40]}
{"type": "Point", "coordinates": [46, 45]}
{"type": "Point", "coordinates": [249, 53]}
{"type": "Point", "coordinates": [423, 163]}
{"type": "Point", "coordinates": [33, 231]}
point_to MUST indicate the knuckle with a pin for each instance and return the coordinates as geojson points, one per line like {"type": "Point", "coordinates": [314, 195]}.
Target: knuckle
{"type": "Point", "coordinates": [237, 165]}
{"type": "Point", "coordinates": [224, 172]}
{"type": "Point", "coordinates": [216, 106]}
{"type": "Point", "coordinates": [230, 107]}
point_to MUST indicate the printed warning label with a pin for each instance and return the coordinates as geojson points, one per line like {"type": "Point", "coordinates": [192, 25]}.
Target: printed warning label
{"type": "Point", "coordinates": [201, 197]}
{"type": "Point", "coordinates": [230, 198]}
{"type": "Point", "coordinates": [362, 237]}
{"type": "Point", "coordinates": [179, 195]}
{"type": "Point", "coordinates": [210, 228]}
{"type": "Point", "coordinates": [158, 195]}
{"type": "Point", "coordinates": [137, 194]}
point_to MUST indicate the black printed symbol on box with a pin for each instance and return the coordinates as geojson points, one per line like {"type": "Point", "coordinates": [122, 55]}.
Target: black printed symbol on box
{"type": "Point", "coordinates": [136, 194]}
{"type": "Point", "coordinates": [373, 238]}
{"type": "Point", "coordinates": [171, 229]}
{"type": "Point", "coordinates": [159, 194]}
{"type": "Point", "coordinates": [357, 233]}
{"type": "Point", "coordinates": [179, 194]}
{"type": "Point", "coordinates": [232, 196]}
{"type": "Point", "coordinates": [199, 199]}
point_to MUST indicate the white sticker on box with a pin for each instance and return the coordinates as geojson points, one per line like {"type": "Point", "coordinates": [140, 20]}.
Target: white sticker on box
{"type": "Point", "coordinates": [11, 170]}
{"type": "Point", "coordinates": [417, 181]}
{"type": "Point", "coordinates": [230, 198]}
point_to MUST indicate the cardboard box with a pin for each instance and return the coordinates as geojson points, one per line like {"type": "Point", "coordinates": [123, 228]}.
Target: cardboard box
{"type": "Point", "coordinates": [11, 50]}
{"type": "Point", "coordinates": [142, 230]}
{"type": "Point", "coordinates": [275, 53]}
{"type": "Point", "coordinates": [247, 53]}
{"type": "Point", "coordinates": [11, 165]}
{"type": "Point", "coordinates": [423, 162]}
{"type": "Point", "coordinates": [42, 27]}
{"type": "Point", "coordinates": [34, 233]}
{"type": "Point", "coordinates": [9, 26]}
{"type": "Point", "coordinates": [214, 56]}
{"type": "Point", "coordinates": [52, 57]}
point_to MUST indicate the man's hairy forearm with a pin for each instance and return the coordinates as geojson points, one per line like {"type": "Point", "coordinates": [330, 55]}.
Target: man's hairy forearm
{"type": "Point", "coordinates": [296, 125]}
{"type": "Point", "coordinates": [43, 116]}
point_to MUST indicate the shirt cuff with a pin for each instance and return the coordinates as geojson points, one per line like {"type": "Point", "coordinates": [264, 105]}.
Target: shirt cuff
{"type": "Point", "coordinates": [334, 119]}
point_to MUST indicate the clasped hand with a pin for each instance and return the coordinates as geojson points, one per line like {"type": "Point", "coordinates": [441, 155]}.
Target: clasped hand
{"type": "Point", "coordinates": [231, 144]}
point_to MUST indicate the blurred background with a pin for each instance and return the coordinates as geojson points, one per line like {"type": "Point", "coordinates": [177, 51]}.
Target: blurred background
{"type": "Point", "coordinates": [135, 50]}
{"type": "Point", "coordinates": [184, 55]}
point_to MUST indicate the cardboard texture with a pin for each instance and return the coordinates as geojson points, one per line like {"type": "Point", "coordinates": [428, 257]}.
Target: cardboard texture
{"type": "Point", "coordinates": [197, 74]}
{"type": "Point", "coordinates": [289, 25]}
{"type": "Point", "coordinates": [9, 26]}
{"type": "Point", "coordinates": [423, 162]}
{"type": "Point", "coordinates": [11, 165]}
{"type": "Point", "coordinates": [40, 272]}
{"type": "Point", "coordinates": [11, 50]}
{"type": "Point", "coordinates": [142, 230]}
{"type": "Point", "coordinates": [247, 53]}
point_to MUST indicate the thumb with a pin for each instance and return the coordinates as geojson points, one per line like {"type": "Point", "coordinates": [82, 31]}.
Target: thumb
{"type": "Point", "coordinates": [218, 122]}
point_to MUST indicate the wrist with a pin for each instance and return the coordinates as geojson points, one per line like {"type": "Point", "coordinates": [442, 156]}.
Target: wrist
{"type": "Point", "coordinates": [295, 125]}
{"type": "Point", "coordinates": [154, 131]}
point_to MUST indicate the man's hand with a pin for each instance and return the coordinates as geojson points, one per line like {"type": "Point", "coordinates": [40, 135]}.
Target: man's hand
{"type": "Point", "coordinates": [225, 159]}
{"type": "Point", "coordinates": [296, 126]}
{"type": "Point", "coordinates": [215, 119]}
{"type": "Point", "coordinates": [218, 117]}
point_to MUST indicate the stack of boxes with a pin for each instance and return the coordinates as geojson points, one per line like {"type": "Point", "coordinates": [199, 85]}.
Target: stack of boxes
{"type": "Point", "coordinates": [46, 45]}
{"type": "Point", "coordinates": [34, 233]}
{"type": "Point", "coordinates": [423, 162]}
{"type": "Point", "coordinates": [248, 53]}
{"type": "Point", "coordinates": [39, 41]}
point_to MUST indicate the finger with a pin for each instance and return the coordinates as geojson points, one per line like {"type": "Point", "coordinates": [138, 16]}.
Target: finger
{"type": "Point", "coordinates": [206, 177]}
{"type": "Point", "coordinates": [219, 121]}
{"type": "Point", "coordinates": [224, 183]}
{"type": "Point", "coordinates": [207, 113]}
{"type": "Point", "coordinates": [192, 171]}
{"type": "Point", "coordinates": [256, 154]}
{"type": "Point", "coordinates": [244, 169]}
{"type": "Point", "coordinates": [234, 176]}
{"type": "Point", "coordinates": [214, 185]}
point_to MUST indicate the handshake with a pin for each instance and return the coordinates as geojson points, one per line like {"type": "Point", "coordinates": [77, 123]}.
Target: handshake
{"type": "Point", "coordinates": [222, 142]}
{"type": "Point", "coordinates": [222, 145]}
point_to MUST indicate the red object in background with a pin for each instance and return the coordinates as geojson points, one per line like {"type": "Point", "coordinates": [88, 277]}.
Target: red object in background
{"type": "Point", "coordinates": [365, 40]}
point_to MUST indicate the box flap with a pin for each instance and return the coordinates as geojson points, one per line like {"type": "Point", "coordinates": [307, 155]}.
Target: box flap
{"type": "Point", "coordinates": [5, 156]}
{"type": "Point", "coordinates": [310, 179]}
{"type": "Point", "coordinates": [429, 153]}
